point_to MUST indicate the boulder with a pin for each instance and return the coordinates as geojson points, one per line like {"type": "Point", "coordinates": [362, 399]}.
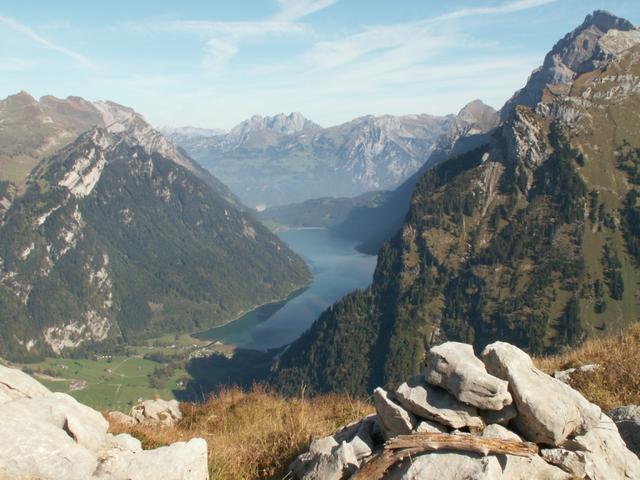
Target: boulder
{"type": "Point", "coordinates": [158, 411]}
{"type": "Point", "coordinates": [549, 411]}
{"type": "Point", "coordinates": [17, 384]}
{"type": "Point", "coordinates": [574, 463]}
{"type": "Point", "coordinates": [606, 455]}
{"type": "Point", "coordinates": [84, 425]}
{"type": "Point", "coordinates": [359, 435]}
{"type": "Point", "coordinates": [394, 419]}
{"type": "Point", "coordinates": [124, 442]}
{"type": "Point", "coordinates": [522, 468]}
{"type": "Point", "coordinates": [436, 404]}
{"type": "Point", "coordinates": [454, 367]}
{"type": "Point", "coordinates": [627, 419]}
{"type": "Point", "coordinates": [338, 463]}
{"type": "Point", "coordinates": [122, 418]}
{"type": "Point", "coordinates": [179, 461]}
{"type": "Point", "coordinates": [32, 448]}
{"type": "Point", "coordinates": [501, 417]}
{"type": "Point", "coordinates": [450, 466]}
{"type": "Point", "coordinates": [430, 427]}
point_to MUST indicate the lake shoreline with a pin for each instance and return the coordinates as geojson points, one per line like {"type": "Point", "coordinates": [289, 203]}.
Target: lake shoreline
{"type": "Point", "coordinates": [338, 269]}
{"type": "Point", "coordinates": [199, 335]}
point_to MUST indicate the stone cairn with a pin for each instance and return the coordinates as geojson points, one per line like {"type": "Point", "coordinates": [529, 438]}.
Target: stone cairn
{"type": "Point", "coordinates": [51, 436]}
{"type": "Point", "coordinates": [497, 417]}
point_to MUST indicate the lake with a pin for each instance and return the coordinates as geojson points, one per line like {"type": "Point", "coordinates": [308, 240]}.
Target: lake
{"type": "Point", "coordinates": [337, 268]}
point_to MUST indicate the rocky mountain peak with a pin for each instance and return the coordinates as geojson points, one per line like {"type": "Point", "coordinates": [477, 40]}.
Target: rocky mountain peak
{"type": "Point", "coordinates": [599, 39]}
{"type": "Point", "coordinates": [477, 111]}
{"type": "Point", "coordinates": [280, 123]}
{"type": "Point", "coordinates": [19, 99]}
{"type": "Point", "coordinates": [605, 21]}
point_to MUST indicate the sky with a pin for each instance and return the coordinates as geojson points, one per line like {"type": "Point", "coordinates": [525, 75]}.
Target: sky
{"type": "Point", "coordinates": [215, 63]}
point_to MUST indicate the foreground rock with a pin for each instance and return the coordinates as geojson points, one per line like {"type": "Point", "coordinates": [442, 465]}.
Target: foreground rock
{"type": "Point", "coordinates": [51, 436]}
{"type": "Point", "coordinates": [627, 419]}
{"type": "Point", "coordinates": [436, 404]}
{"type": "Point", "coordinates": [426, 432]}
{"type": "Point", "coordinates": [549, 411]}
{"type": "Point", "coordinates": [454, 367]}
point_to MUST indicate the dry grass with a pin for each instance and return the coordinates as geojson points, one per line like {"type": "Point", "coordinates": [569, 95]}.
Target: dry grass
{"type": "Point", "coordinates": [617, 382]}
{"type": "Point", "coordinates": [253, 435]}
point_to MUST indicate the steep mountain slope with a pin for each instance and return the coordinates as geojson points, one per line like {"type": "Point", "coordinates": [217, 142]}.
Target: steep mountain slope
{"type": "Point", "coordinates": [119, 235]}
{"type": "Point", "coordinates": [286, 159]}
{"type": "Point", "coordinates": [372, 225]}
{"type": "Point", "coordinates": [532, 238]}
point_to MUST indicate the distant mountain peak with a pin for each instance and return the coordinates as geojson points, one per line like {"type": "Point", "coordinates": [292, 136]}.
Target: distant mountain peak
{"type": "Point", "coordinates": [280, 123]}
{"type": "Point", "coordinates": [476, 110]}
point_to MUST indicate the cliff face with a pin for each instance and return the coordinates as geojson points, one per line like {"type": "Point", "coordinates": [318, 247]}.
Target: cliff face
{"type": "Point", "coordinates": [531, 238]}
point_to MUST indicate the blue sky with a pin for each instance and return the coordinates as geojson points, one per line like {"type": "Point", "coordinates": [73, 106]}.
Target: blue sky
{"type": "Point", "coordinates": [215, 63]}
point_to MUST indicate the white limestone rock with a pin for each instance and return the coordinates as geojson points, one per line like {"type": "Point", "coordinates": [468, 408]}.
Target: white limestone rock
{"type": "Point", "coordinates": [627, 419]}
{"type": "Point", "coordinates": [179, 461]}
{"type": "Point", "coordinates": [16, 384]}
{"type": "Point", "coordinates": [450, 466]}
{"type": "Point", "coordinates": [549, 411]}
{"type": "Point", "coordinates": [33, 448]}
{"type": "Point", "coordinates": [454, 367]}
{"type": "Point", "coordinates": [574, 463]}
{"type": "Point", "coordinates": [607, 456]}
{"type": "Point", "coordinates": [394, 419]}
{"type": "Point", "coordinates": [436, 404]}
{"type": "Point", "coordinates": [162, 412]}
{"type": "Point", "coordinates": [51, 436]}
{"type": "Point", "coordinates": [523, 468]}
{"type": "Point", "coordinates": [338, 463]}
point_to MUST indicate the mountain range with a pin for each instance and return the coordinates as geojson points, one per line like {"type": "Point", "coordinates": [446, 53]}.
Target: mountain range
{"type": "Point", "coordinates": [531, 237]}
{"type": "Point", "coordinates": [373, 217]}
{"type": "Point", "coordinates": [287, 158]}
{"type": "Point", "coordinates": [118, 235]}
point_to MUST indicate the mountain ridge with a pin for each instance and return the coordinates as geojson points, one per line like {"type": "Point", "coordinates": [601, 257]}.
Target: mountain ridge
{"type": "Point", "coordinates": [265, 166]}
{"type": "Point", "coordinates": [119, 235]}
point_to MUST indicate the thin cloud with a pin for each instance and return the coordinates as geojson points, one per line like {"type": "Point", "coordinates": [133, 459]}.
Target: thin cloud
{"type": "Point", "coordinates": [223, 38]}
{"type": "Point", "coordinates": [29, 33]}
{"type": "Point", "coordinates": [510, 7]}
{"type": "Point", "coordinates": [416, 35]}
{"type": "Point", "coordinates": [15, 65]}
{"type": "Point", "coordinates": [295, 9]}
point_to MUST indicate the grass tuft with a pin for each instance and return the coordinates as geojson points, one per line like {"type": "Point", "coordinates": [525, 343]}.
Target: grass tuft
{"type": "Point", "coordinates": [617, 381]}
{"type": "Point", "coordinates": [255, 434]}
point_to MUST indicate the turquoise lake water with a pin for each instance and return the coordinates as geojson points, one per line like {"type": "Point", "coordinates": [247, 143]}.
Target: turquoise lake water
{"type": "Point", "coordinates": [338, 269]}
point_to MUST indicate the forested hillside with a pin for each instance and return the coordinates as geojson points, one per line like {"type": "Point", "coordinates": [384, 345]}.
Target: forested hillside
{"type": "Point", "coordinates": [532, 238]}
